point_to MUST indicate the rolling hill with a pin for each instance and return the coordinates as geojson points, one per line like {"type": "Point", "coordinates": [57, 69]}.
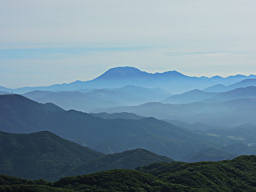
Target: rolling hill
{"type": "Point", "coordinates": [45, 155]}
{"type": "Point", "coordinates": [41, 155]}
{"type": "Point", "coordinates": [224, 176]}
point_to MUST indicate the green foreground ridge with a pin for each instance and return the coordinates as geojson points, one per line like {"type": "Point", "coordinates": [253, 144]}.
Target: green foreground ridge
{"type": "Point", "coordinates": [237, 175]}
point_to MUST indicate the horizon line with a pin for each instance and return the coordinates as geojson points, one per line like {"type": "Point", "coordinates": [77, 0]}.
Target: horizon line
{"type": "Point", "coordinates": [77, 80]}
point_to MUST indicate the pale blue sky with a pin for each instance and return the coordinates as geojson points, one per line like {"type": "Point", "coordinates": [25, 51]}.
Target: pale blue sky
{"type": "Point", "coordinates": [55, 41]}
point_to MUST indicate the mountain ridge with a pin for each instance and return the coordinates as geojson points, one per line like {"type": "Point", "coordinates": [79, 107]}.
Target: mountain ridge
{"type": "Point", "coordinates": [21, 115]}
{"type": "Point", "coordinates": [134, 76]}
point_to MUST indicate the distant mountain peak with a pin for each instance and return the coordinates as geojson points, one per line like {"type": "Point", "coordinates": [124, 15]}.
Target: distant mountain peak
{"type": "Point", "coordinates": [122, 72]}
{"type": "Point", "coordinates": [133, 73]}
{"type": "Point", "coordinates": [124, 68]}
{"type": "Point", "coordinates": [172, 73]}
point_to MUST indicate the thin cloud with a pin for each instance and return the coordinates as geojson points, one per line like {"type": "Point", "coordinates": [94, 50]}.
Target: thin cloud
{"type": "Point", "coordinates": [204, 53]}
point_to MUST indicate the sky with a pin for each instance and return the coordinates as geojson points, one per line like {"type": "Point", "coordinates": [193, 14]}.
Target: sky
{"type": "Point", "coordinates": [57, 41]}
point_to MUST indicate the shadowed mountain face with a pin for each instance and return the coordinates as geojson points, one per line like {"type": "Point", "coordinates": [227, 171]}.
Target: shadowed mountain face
{"type": "Point", "coordinates": [123, 76]}
{"type": "Point", "coordinates": [225, 176]}
{"type": "Point", "coordinates": [101, 98]}
{"type": "Point", "coordinates": [21, 115]}
{"type": "Point", "coordinates": [45, 155]}
{"type": "Point", "coordinates": [41, 155]}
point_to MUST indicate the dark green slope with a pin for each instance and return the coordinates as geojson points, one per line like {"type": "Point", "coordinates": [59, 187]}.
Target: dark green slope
{"type": "Point", "coordinates": [21, 115]}
{"type": "Point", "coordinates": [235, 175]}
{"type": "Point", "coordinates": [108, 181]}
{"type": "Point", "coordinates": [41, 155]}
{"type": "Point", "coordinates": [45, 155]}
{"type": "Point", "coordinates": [238, 175]}
{"type": "Point", "coordinates": [13, 184]}
{"type": "Point", "coordinates": [118, 181]}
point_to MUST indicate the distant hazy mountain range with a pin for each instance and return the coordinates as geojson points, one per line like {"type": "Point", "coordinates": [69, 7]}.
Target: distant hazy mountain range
{"type": "Point", "coordinates": [223, 88]}
{"type": "Point", "coordinates": [123, 76]}
{"type": "Point", "coordinates": [21, 115]}
{"type": "Point", "coordinates": [103, 99]}
{"type": "Point", "coordinates": [219, 115]}
{"type": "Point", "coordinates": [99, 98]}
{"type": "Point", "coordinates": [45, 155]}
{"type": "Point", "coordinates": [128, 86]}
{"type": "Point", "coordinates": [203, 96]}
{"type": "Point", "coordinates": [224, 109]}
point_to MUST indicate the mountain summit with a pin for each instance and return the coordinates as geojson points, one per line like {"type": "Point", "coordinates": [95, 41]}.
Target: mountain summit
{"type": "Point", "coordinates": [132, 72]}
{"type": "Point", "coordinates": [118, 77]}
{"type": "Point", "coordinates": [122, 72]}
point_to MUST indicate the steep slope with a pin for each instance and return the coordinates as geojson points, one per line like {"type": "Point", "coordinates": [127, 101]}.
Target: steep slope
{"type": "Point", "coordinates": [45, 155]}
{"type": "Point", "coordinates": [41, 155]}
{"type": "Point", "coordinates": [21, 115]}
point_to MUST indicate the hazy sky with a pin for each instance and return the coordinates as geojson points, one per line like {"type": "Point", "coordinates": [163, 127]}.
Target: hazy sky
{"type": "Point", "coordinates": [53, 41]}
